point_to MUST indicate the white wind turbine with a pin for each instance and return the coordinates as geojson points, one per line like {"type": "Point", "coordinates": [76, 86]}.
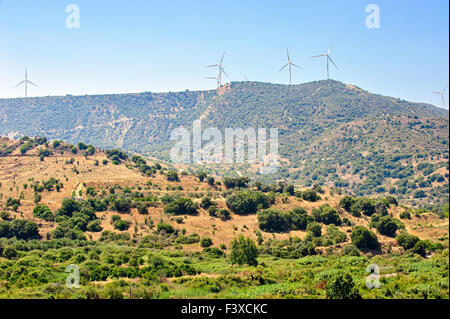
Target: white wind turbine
{"type": "Point", "coordinates": [221, 70]}
{"type": "Point", "coordinates": [26, 83]}
{"type": "Point", "coordinates": [442, 93]}
{"type": "Point", "coordinates": [290, 64]}
{"type": "Point", "coordinates": [327, 55]}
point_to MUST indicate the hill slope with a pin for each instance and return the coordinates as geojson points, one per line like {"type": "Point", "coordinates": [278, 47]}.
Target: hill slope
{"type": "Point", "coordinates": [330, 133]}
{"type": "Point", "coordinates": [118, 220]}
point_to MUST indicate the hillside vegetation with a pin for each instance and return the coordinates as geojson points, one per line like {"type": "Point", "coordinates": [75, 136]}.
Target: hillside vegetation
{"type": "Point", "coordinates": [140, 229]}
{"type": "Point", "coordinates": [330, 133]}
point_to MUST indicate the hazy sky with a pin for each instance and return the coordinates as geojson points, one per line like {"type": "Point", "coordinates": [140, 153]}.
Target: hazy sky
{"type": "Point", "coordinates": [134, 46]}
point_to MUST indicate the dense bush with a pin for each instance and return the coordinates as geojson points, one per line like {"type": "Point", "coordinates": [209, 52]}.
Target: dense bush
{"type": "Point", "coordinates": [116, 156]}
{"type": "Point", "coordinates": [292, 248]}
{"type": "Point", "coordinates": [172, 176]}
{"type": "Point", "coordinates": [43, 212]}
{"type": "Point", "coordinates": [334, 235]}
{"type": "Point", "coordinates": [350, 250]}
{"type": "Point", "coordinates": [94, 226]}
{"type": "Point", "coordinates": [68, 207]}
{"type": "Point", "coordinates": [359, 205]}
{"type": "Point", "coordinates": [327, 215]}
{"type": "Point", "coordinates": [273, 221]}
{"type": "Point", "coordinates": [406, 240]}
{"type": "Point", "coordinates": [387, 226]}
{"type": "Point", "coordinates": [66, 232]}
{"type": "Point", "coordinates": [243, 251]}
{"type": "Point", "coordinates": [342, 286]}
{"type": "Point", "coordinates": [206, 202]}
{"type": "Point", "coordinates": [122, 225]}
{"type": "Point", "coordinates": [206, 242]}
{"type": "Point", "coordinates": [247, 202]}
{"type": "Point", "coordinates": [239, 182]}
{"type": "Point", "coordinates": [310, 195]}
{"type": "Point", "coordinates": [298, 219]}
{"type": "Point", "coordinates": [20, 229]}
{"type": "Point", "coordinates": [122, 205]}
{"type": "Point", "coordinates": [364, 238]}
{"type": "Point", "coordinates": [165, 227]}
{"type": "Point", "coordinates": [181, 206]}
{"type": "Point", "coordinates": [315, 229]}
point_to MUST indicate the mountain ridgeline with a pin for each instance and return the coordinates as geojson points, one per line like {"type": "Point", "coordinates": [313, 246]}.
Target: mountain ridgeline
{"type": "Point", "coordinates": [329, 132]}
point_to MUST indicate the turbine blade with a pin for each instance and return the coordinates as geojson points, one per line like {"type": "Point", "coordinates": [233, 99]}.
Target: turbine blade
{"type": "Point", "coordinates": [331, 48]}
{"type": "Point", "coordinates": [32, 83]}
{"type": "Point", "coordinates": [20, 83]}
{"type": "Point", "coordinates": [287, 52]}
{"type": "Point", "coordinates": [210, 77]}
{"type": "Point", "coordinates": [436, 93]}
{"type": "Point", "coordinates": [332, 62]}
{"type": "Point", "coordinates": [224, 72]}
{"type": "Point", "coordinates": [221, 60]}
{"type": "Point", "coordinates": [211, 66]}
{"type": "Point", "coordinates": [318, 56]}
{"type": "Point", "coordinates": [296, 65]}
{"type": "Point", "coordinates": [283, 67]}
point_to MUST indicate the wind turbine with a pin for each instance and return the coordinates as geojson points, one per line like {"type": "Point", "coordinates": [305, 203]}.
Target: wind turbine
{"type": "Point", "coordinates": [290, 64]}
{"type": "Point", "coordinates": [213, 78]}
{"type": "Point", "coordinates": [327, 55]}
{"type": "Point", "coordinates": [442, 95]}
{"type": "Point", "coordinates": [221, 70]}
{"type": "Point", "coordinates": [26, 83]}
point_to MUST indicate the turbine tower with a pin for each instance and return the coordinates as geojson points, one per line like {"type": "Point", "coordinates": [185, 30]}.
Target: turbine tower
{"type": "Point", "coordinates": [327, 55]}
{"type": "Point", "coordinates": [26, 83]}
{"type": "Point", "coordinates": [442, 93]}
{"type": "Point", "coordinates": [213, 78]}
{"type": "Point", "coordinates": [290, 64]}
{"type": "Point", "coordinates": [221, 70]}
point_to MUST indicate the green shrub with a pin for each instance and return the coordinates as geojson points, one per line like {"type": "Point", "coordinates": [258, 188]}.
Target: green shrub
{"type": "Point", "coordinates": [387, 226]}
{"type": "Point", "coordinates": [206, 242]}
{"type": "Point", "coordinates": [327, 215]}
{"type": "Point", "coordinates": [165, 227]}
{"type": "Point", "coordinates": [43, 212]}
{"type": "Point", "coordinates": [181, 206]}
{"type": "Point", "coordinates": [122, 225]}
{"type": "Point", "coordinates": [406, 240]}
{"type": "Point", "coordinates": [310, 195]}
{"type": "Point", "coordinates": [94, 226]}
{"type": "Point", "coordinates": [299, 219]}
{"type": "Point", "coordinates": [273, 221]}
{"type": "Point", "coordinates": [243, 251]}
{"type": "Point", "coordinates": [20, 229]}
{"type": "Point", "coordinates": [122, 205]}
{"type": "Point", "coordinates": [364, 238]}
{"type": "Point", "coordinates": [172, 176]}
{"type": "Point", "coordinates": [247, 202]}
{"type": "Point", "coordinates": [342, 286]}
{"type": "Point", "coordinates": [350, 250]}
{"type": "Point", "coordinates": [315, 229]}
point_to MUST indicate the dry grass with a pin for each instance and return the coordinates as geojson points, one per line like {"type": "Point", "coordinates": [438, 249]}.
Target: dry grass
{"type": "Point", "coordinates": [16, 170]}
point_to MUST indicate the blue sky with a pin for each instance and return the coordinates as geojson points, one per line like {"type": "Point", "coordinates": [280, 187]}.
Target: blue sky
{"type": "Point", "coordinates": [159, 46]}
